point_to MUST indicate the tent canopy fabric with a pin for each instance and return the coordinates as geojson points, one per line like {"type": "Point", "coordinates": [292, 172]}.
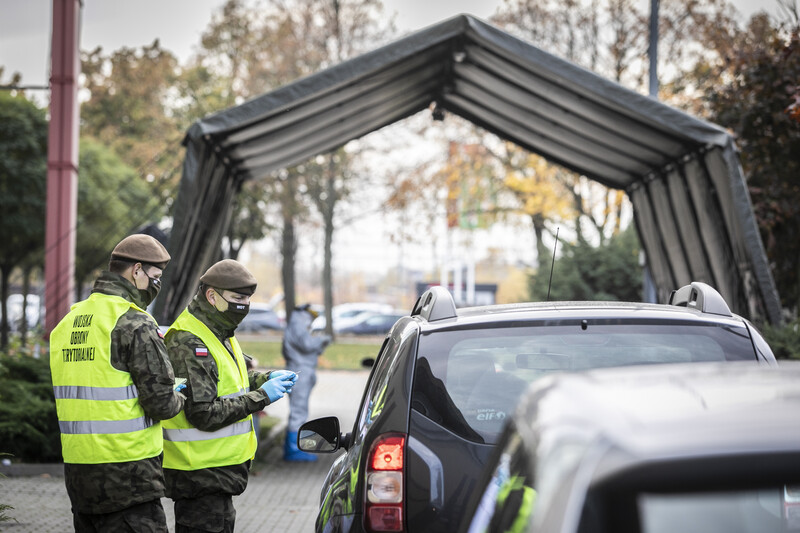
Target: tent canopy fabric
{"type": "Point", "coordinates": [691, 205]}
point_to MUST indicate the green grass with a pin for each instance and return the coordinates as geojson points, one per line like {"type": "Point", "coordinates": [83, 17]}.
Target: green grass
{"type": "Point", "coordinates": [337, 356]}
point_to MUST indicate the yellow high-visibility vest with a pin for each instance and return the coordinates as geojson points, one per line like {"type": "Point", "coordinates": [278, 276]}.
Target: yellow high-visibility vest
{"type": "Point", "coordinates": [189, 448]}
{"type": "Point", "coordinates": [99, 414]}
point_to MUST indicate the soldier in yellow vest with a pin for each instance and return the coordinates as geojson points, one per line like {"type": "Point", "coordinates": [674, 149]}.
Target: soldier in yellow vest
{"type": "Point", "coordinates": [209, 446]}
{"type": "Point", "coordinates": [113, 382]}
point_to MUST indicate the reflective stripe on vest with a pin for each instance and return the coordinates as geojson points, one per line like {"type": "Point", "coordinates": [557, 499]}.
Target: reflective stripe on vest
{"type": "Point", "coordinates": [101, 394]}
{"type": "Point", "coordinates": [76, 427]}
{"type": "Point", "coordinates": [189, 448]}
{"type": "Point", "coordinates": [184, 435]}
{"type": "Point", "coordinates": [100, 418]}
{"type": "Point", "coordinates": [192, 434]}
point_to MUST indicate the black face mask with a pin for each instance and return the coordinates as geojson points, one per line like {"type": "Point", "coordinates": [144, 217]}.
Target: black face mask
{"type": "Point", "coordinates": [149, 294]}
{"type": "Point", "coordinates": [236, 311]}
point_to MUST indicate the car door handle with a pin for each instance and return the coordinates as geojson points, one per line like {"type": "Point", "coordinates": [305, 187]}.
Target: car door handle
{"type": "Point", "coordinates": [435, 470]}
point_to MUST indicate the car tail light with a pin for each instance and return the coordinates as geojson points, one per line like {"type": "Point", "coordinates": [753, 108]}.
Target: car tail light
{"type": "Point", "coordinates": [385, 487]}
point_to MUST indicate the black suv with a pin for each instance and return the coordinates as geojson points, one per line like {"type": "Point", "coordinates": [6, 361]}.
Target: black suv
{"type": "Point", "coordinates": [445, 380]}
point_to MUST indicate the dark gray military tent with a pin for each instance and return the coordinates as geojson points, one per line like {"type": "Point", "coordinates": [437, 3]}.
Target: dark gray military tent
{"type": "Point", "coordinates": [691, 205]}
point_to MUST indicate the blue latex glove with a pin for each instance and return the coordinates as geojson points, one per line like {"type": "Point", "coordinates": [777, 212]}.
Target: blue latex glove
{"type": "Point", "coordinates": [285, 374]}
{"type": "Point", "coordinates": [179, 388]}
{"type": "Point", "coordinates": [276, 387]}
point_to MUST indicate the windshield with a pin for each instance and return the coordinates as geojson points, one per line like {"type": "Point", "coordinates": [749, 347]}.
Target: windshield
{"type": "Point", "coordinates": [469, 380]}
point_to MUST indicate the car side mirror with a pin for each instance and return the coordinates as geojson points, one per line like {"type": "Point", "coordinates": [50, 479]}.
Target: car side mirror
{"type": "Point", "coordinates": [368, 362]}
{"type": "Point", "coordinates": [320, 436]}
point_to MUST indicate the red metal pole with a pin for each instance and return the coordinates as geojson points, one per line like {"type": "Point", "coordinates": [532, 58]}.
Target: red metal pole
{"type": "Point", "coordinates": [62, 163]}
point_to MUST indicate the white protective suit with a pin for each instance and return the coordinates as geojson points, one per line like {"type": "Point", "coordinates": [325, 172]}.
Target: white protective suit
{"type": "Point", "coordinates": [301, 350]}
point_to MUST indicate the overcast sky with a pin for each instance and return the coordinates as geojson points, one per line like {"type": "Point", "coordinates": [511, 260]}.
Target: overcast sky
{"type": "Point", "coordinates": [25, 25]}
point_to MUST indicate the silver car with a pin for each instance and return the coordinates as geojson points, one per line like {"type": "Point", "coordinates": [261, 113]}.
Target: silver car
{"type": "Point", "coordinates": [705, 448]}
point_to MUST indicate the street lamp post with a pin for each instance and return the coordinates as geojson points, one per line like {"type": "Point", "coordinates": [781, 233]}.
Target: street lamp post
{"type": "Point", "coordinates": [62, 163]}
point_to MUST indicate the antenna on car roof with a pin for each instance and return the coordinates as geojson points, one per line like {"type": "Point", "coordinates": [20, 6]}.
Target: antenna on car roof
{"type": "Point", "coordinates": [552, 264]}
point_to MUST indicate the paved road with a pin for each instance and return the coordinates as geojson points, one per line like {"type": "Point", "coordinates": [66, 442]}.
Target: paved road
{"type": "Point", "coordinates": [280, 497]}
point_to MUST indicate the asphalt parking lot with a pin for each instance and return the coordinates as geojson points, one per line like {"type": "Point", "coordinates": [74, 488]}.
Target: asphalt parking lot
{"type": "Point", "coordinates": [280, 496]}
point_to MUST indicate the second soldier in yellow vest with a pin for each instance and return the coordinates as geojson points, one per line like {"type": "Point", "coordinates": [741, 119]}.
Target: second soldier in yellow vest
{"type": "Point", "coordinates": [209, 446]}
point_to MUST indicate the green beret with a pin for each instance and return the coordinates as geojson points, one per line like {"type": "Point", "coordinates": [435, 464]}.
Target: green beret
{"type": "Point", "coordinates": [230, 275]}
{"type": "Point", "coordinates": [141, 248]}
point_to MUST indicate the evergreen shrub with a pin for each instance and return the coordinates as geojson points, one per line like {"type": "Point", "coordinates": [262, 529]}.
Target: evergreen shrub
{"type": "Point", "coordinates": [28, 422]}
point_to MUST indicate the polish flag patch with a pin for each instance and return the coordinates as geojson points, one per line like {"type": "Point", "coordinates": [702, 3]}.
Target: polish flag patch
{"type": "Point", "coordinates": [201, 352]}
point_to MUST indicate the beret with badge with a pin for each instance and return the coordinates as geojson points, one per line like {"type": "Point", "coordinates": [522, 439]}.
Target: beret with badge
{"type": "Point", "coordinates": [230, 275]}
{"type": "Point", "coordinates": [141, 248]}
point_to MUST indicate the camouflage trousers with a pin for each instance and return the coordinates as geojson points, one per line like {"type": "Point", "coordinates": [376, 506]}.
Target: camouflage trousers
{"type": "Point", "coordinates": [213, 513]}
{"type": "Point", "coordinates": [145, 517]}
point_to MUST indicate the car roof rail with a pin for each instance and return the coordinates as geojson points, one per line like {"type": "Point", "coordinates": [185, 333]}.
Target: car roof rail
{"type": "Point", "coordinates": [702, 297]}
{"type": "Point", "coordinates": [435, 304]}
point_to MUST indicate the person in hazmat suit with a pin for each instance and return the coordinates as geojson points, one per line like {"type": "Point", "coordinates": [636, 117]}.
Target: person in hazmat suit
{"type": "Point", "coordinates": [301, 350]}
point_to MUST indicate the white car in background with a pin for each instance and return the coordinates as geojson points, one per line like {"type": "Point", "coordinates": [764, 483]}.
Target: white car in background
{"type": "Point", "coordinates": [350, 313]}
{"type": "Point", "coordinates": [33, 311]}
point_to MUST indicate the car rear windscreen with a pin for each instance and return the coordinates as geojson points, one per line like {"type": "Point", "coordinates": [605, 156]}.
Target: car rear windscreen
{"type": "Point", "coordinates": [469, 380]}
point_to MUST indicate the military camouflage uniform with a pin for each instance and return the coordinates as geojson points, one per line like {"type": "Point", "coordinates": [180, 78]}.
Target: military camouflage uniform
{"type": "Point", "coordinates": [210, 489]}
{"type": "Point", "coordinates": [137, 348]}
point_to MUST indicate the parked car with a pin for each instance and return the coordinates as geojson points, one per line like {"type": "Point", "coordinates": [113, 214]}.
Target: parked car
{"type": "Point", "coordinates": [260, 318]}
{"type": "Point", "coordinates": [711, 448]}
{"type": "Point", "coordinates": [445, 380]}
{"type": "Point", "coordinates": [349, 313]}
{"type": "Point", "coordinates": [371, 324]}
{"type": "Point", "coordinates": [33, 311]}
